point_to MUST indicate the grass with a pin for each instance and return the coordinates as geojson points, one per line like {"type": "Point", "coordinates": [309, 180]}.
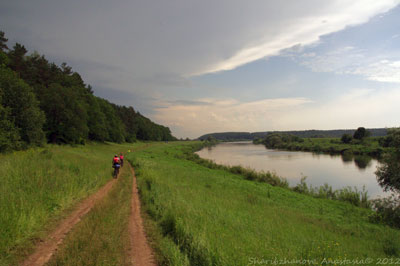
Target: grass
{"type": "Point", "coordinates": [369, 146]}
{"type": "Point", "coordinates": [209, 216]}
{"type": "Point", "coordinates": [101, 237]}
{"type": "Point", "coordinates": [39, 186]}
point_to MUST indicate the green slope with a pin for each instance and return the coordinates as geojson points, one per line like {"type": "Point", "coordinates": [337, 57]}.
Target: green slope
{"type": "Point", "coordinates": [212, 217]}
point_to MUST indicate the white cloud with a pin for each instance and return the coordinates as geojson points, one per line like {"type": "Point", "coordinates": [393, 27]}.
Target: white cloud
{"type": "Point", "coordinates": [306, 29]}
{"type": "Point", "coordinates": [359, 107]}
{"type": "Point", "coordinates": [354, 61]}
{"type": "Point", "coordinates": [383, 71]}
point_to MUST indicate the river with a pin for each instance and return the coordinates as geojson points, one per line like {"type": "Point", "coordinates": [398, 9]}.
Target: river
{"type": "Point", "coordinates": [319, 169]}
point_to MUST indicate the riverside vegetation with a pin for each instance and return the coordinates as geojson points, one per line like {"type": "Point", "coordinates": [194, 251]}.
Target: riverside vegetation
{"type": "Point", "coordinates": [204, 216]}
{"type": "Point", "coordinates": [369, 146]}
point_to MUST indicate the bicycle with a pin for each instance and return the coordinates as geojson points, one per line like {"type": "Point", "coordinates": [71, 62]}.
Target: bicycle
{"type": "Point", "coordinates": [116, 170]}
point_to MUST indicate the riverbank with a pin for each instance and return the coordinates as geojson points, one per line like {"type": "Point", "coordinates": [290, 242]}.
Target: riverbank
{"type": "Point", "coordinates": [206, 216]}
{"type": "Point", "coordinates": [369, 146]}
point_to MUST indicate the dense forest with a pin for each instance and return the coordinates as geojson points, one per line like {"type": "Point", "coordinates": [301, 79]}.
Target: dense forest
{"type": "Point", "coordinates": [337, 133]}
{"type": "Point", "coordinates": [40, 101]}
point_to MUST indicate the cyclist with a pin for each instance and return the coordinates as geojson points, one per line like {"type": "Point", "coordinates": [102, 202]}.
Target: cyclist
{"type": "Point", "coordinates": [121, 158]}
{"type": "Point", "coordinates": [116, 164]}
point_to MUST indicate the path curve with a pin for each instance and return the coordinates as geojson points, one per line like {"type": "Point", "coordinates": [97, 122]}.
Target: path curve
{"type": "Point", "coordinates": [141, 253]}
{"type": "Point", "coordinates": [46, 249]}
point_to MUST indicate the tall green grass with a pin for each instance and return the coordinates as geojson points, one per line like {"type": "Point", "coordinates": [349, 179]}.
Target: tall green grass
{"type": "Point", "coordinates": [39, 185]}
{"type": "Point", "coordinates": [102, 237]}
{"type": "Point", "coordinates": [214, 217]}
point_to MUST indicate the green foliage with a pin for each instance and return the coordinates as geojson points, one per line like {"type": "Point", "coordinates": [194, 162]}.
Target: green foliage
{"type": "Point", "coordinates": [388, 172]}
{"type": "Point", "coordinates": [361, 133]}
{"type": "Point", "coordinates": [392, 139]}
{"type": "Point", "coordinates": [3, 59]}
{"type": "Point", "coordinates": [368, 146]}
{"type": "Point", "coordinates": [113, 123]}
{"type": "Point", "coordinates": [17, 58]}
{"type": "Point", "coordinates": [3, 41]}
{"type": "Point", "coordinates": [387, 210]}
{"type": "Point", "coordinates": [9, 135]}
{"type": "Point", "coordinates": [139, 127]}
{"type": "Point", "coordinates": [23, 110]}
{"type": "Point", "coordinates": [346, 138]}
{"type": "Point", "coordinates": [347, 194]}
{"type": "Point", "coordinates": [276, 140]}
{"type": "Point", "coordinates": [66, 114]}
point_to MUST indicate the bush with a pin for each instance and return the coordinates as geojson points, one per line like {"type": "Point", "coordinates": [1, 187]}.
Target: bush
{"type": "Point", "coordinates": [387, 210]}
{"type": "Point", "coordinates": [346, 138]}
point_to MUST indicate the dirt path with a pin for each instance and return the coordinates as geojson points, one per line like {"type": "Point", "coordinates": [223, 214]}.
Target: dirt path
{"type": "Point", "coordinates": [141, 253]}
{"type": "Point", "coordinates": [46, 249]}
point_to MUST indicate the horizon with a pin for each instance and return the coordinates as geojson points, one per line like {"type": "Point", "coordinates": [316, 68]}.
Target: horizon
{"type": "Point", "coordinates": [304, 130]}
{"type": "Point", "coordinates": [231, 68]}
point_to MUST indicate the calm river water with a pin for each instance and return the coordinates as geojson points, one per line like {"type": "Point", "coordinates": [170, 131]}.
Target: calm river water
{"type": "Point", "coordinates": [337, 171]}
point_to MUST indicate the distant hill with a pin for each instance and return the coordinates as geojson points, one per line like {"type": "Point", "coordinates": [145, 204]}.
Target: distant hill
{"type": "Point", "coordinates": [336, 133]}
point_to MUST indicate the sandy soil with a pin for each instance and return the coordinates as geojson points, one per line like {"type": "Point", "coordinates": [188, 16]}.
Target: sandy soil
{"type": "Point", "coordinates": [140, 253]}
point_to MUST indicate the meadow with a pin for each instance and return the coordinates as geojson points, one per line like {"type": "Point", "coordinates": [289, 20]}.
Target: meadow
{"type": "Point", "coordinates": [194, 214]}
{"type": "Point", "coordinates": [203, 216]}
{"type": "Point", "coordinates": [41, 186]}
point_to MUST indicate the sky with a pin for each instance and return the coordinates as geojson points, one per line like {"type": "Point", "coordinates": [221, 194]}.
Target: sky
{"type": "Point", "coordinates": [226, 65]}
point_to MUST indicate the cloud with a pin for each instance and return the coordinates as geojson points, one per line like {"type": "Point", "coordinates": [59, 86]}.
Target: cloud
{"type": "Point", "coordinates": [212, 115]}
{"type": "Point", "coordinates": [340, 60]}
{"type": "Point", "coordinates": [164, 42]}
{"type": "Point", "coordinates": [353, 61]}
{"type": "Point", "coordinates": [383, 71]}
{"type": "Point", "coordinates": [304, 30]}
{"type": "Point", "coordinates": [358, 107]}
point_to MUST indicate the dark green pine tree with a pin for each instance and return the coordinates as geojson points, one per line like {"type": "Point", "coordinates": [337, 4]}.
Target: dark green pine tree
{"type": "Point", "coordinates": [3, 41]}
{"type": "Point", "coordinates": [23, 107]}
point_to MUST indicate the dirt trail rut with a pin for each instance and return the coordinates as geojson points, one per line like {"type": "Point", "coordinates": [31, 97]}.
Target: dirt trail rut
{"type": "Point", "coordinates": [46, 249]}
{"type": "Point", "coordinates": [141, 253]}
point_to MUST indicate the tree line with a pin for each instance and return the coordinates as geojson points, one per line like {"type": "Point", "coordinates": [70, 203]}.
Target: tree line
{"type": "Point", "coordinates": [42, 102]}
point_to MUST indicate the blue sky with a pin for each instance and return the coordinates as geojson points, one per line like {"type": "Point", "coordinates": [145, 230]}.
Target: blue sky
{"type": "Point", "coordinates": [213, 66]}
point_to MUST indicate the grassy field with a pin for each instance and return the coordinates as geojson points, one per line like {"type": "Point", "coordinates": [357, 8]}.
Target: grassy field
{"type": "Point", "coordinates": [39, 187]}
{"type": "Point", "coordinates": [203, 216]}
{"type": "Point", "coordinates": [101, 238]}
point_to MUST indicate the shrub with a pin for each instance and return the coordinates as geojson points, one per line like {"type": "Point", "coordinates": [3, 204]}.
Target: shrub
{"type": "Point", "coordinates": [387, 210]}
{"type": "Point", "coordinates": [346, 138]}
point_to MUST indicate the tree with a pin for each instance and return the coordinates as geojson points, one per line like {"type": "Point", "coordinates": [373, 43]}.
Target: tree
{"type": "Point", "coordinates": [346, 138]}
{"type": "Point", "coordinates": [388, 173]}
{"type": "Point", "coordinates": [9, 135]}
{"type": "Point", "coordinates": [3, 40]}
{"type": "Point", "coordinates": [17, 58]}
{"type": "Point", "coordinates": [66, 114]}
{"type": "Point", "coordinates": [23, 107]}
{"type": "Point", "coordinates": [361, 133]}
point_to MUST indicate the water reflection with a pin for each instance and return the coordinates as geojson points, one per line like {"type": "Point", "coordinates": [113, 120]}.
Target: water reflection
{"type": "Point", "coordinates": [336, 170]}
{"type": "Point", "coordinates": [362, 162]}
{"type": "Point", "coordinates": [347, 158]}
